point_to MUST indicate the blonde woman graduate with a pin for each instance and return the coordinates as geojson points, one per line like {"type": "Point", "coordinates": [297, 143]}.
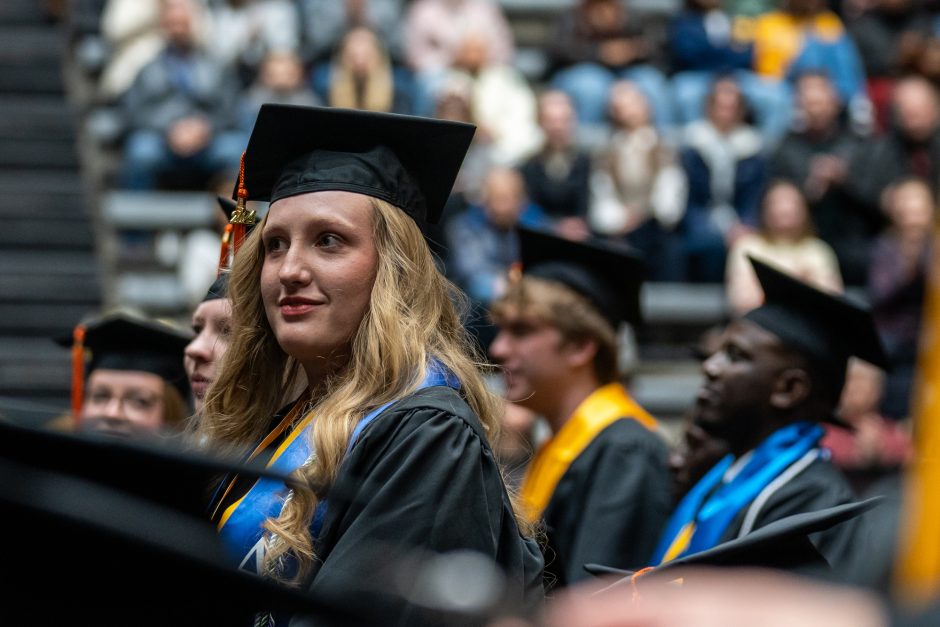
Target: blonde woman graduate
{"type": "Point", "coordinates": [349, 369]}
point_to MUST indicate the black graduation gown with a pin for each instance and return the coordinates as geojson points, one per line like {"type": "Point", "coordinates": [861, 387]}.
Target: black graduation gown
{"type": "Point", "coordinates": [420, 480]}
{"type": "Point", "coordinates": [610, 506]}
{"type": "Point", "coordinates": [818, 486]}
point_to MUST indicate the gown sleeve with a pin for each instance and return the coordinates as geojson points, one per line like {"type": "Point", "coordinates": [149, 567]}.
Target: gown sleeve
{"type": "Point", "coordinates": [415, 484]}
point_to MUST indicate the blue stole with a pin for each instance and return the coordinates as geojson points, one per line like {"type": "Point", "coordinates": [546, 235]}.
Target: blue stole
{"type": "Point", "coordinates": [241, 527]}
{"type": "Point", "coordinates": [710, 506]}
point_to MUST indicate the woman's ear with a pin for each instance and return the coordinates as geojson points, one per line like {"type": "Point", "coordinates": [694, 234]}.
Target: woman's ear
{"type": "Point", "coordinates": [791, 389]}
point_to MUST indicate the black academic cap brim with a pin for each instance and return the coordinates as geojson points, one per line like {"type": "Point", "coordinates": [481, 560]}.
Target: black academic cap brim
{"type": "Point", "coordinates": [828, 326]}
{"type": "Point", "coordinates": [227, 206]}
{"type": "Point", "coordinates": [607, 274]}
{"type": "Point", "coordinates": [294, 150]}
{"type": "Point", "coordinates": [783, 544]}
{"type": "Point", "coordinates": [155, 470]}
{"type": "Point", "coordinates": [120, 341]}
{"type": "Point", "coordinates": [115, 556]}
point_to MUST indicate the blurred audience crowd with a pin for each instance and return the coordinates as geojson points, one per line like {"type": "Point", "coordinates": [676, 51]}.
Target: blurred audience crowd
{"type": "Point", "coordinates": [805, 132]}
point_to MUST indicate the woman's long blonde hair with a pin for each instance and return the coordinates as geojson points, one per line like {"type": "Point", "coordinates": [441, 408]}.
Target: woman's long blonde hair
{"type": "Point", "coordinates": [411, 317]}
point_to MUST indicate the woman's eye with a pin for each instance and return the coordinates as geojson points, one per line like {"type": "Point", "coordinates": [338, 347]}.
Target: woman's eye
{"type": "Point", "coordinates": [274, 244]}
{"type": "Point", "coordinates": [142, 402]}
{"type": "Point", "coordinates": [329, 240]}
{"type": "Point", "coordinates": [197, 328]}
{"type": "Point", "coordinates": [225, 330]}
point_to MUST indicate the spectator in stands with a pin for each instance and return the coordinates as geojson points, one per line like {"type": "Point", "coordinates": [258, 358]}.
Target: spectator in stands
{"type": "Point", "coordinates": [504, 107]}
{"type": "Point", "coordinates": [595, 43]}
{"type": "Point", "coordinates": [132, 30]}
{"type": "Point", "coordinates": [212, 328]}
{"type": "Point", "coordinates": [242, 32]}
{"type": "Point", "coordinates": [897, 284]}
{"type": "Point", "coordinates": [804, 35]}
{"type": "Point", "coordinates": [786, 240]}
{"type": "Point", "coordinates": [873, 446]}
{"type": "Point", "coordinates": [723, 160]}
{"type": "Point", "coordinates": [325, 22]}
{"type": "Point", "coordinates": [703, 45]}
{"type": "Point", "coordinates": [455, 104]}
{"type": "Point", "coordinates": [181, 109]}
{"type": "Point", "coordinates": [281, 80]}
{"type": "Point", "coordinates": [911, 148]}
{"type": "Point", "coordinates": [482, 240]}
{"type": "Point", "coordinates": [434, 32]}
{"type": "Point", "coordinates": [133, 384]}
{"type": "Point", "coordinates": [361, 76]}
{"type": "Point", "coordinates": [557, 177]}
{"type": "Point", "coordinates": [889, 35]}
{"type": "Point", "coordinates": [815, 156]}
{"type": "Point", "coordinates": [639, 191]}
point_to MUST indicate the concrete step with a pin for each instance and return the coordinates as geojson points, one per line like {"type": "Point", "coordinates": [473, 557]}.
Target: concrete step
{"type": "Point", "coordinates": [31, 185]}
{"type": "Point", "coordinates": [68, 232]}
{"type": "Point", "coordinates": [17, 12]}
{"type": "Point", "coordinates": [41, 320]}
{"type": "Point", "coordinates": [40, 204]}
{"type": "Point", "coordinates": [52, 289]}
{"type": "Point", "coordinates": [35, 154]}
{"type": "Point", "coordinates": [35, 116]}
{"type": "Point", "coordinates": [31, 46]}
{"type": "Point", "coordinates": [22, 79]}
{"type": "Point", "coordinates": [40, 262]}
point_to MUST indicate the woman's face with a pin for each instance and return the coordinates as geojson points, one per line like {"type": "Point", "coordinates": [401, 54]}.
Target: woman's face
{"type": "Point", "coordinates": [319, 265]}
{"type": "Point", "coordinates": [212, 324]}
{"type": "Point", "coordinates": [628, 106]}
{"type": "Point", "coordinates": [911, 207]}
{"type": "Point", "coordinates": [123, 402]}
{"type": "Point", "coordinates": [785, 213]}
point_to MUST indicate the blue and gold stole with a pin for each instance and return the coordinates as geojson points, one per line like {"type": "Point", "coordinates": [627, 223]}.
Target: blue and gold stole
{"type": "Point", "coordinates": [705, 512]}
{"type": "Point", "coordinates": [241, 525]}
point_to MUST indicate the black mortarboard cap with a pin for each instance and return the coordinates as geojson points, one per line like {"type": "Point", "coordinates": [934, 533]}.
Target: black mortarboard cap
{"type": "Point", "coordinates": [120, 341]}
{"type": "Point", "coordinates": [120, 549]}
{"type": "Point", "coordinates": [607, 274]}
{"type": "Point", "coordinates": [218, 289]}
{"type": "Point", "coordinates": [783, 544]}
{"type": "Point", "coordinates": [828, 328]}
{"type": "Point", "coordinates": [227, 206]}
{"type": "Point", "coordinates": [409, 161]}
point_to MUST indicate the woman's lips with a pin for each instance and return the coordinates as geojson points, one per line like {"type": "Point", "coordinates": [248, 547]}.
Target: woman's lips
{"type": "Point", "coordinates": [294, 306]}
{"type": "Point", "coordinates": [199, 384]}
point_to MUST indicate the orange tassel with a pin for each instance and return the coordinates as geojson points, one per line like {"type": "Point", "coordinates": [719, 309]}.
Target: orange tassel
{"type": "Point", "coordinates": [241, 217]}
{"type": "Point", "coordinates": [78, 372]}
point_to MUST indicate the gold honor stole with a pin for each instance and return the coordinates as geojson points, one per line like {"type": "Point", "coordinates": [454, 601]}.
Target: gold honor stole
{"type": "Point", "coordinates": [599, 410]}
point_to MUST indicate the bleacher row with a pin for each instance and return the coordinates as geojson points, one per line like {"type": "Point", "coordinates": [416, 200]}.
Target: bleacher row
{"type": "Point", "coordinates": [61, 250]}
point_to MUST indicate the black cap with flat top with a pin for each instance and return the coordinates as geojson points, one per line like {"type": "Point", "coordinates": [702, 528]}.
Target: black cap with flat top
{"type": "Point", "coordinates": [606, 274]}
{"type": "Point", "coordinates": [828, 328]}
{"type": "Point", "coordinates": [783, 544]}
{"type": "Point", "coordinates": [409, 161]}
{"type": "Point", "coordinates": [121, 341]}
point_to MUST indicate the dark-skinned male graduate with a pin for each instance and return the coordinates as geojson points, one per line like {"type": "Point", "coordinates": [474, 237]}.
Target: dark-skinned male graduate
{"type": "Point", "coordinates": [599, 485]}
{"type": "Point", "coordinates": [777, 373]}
